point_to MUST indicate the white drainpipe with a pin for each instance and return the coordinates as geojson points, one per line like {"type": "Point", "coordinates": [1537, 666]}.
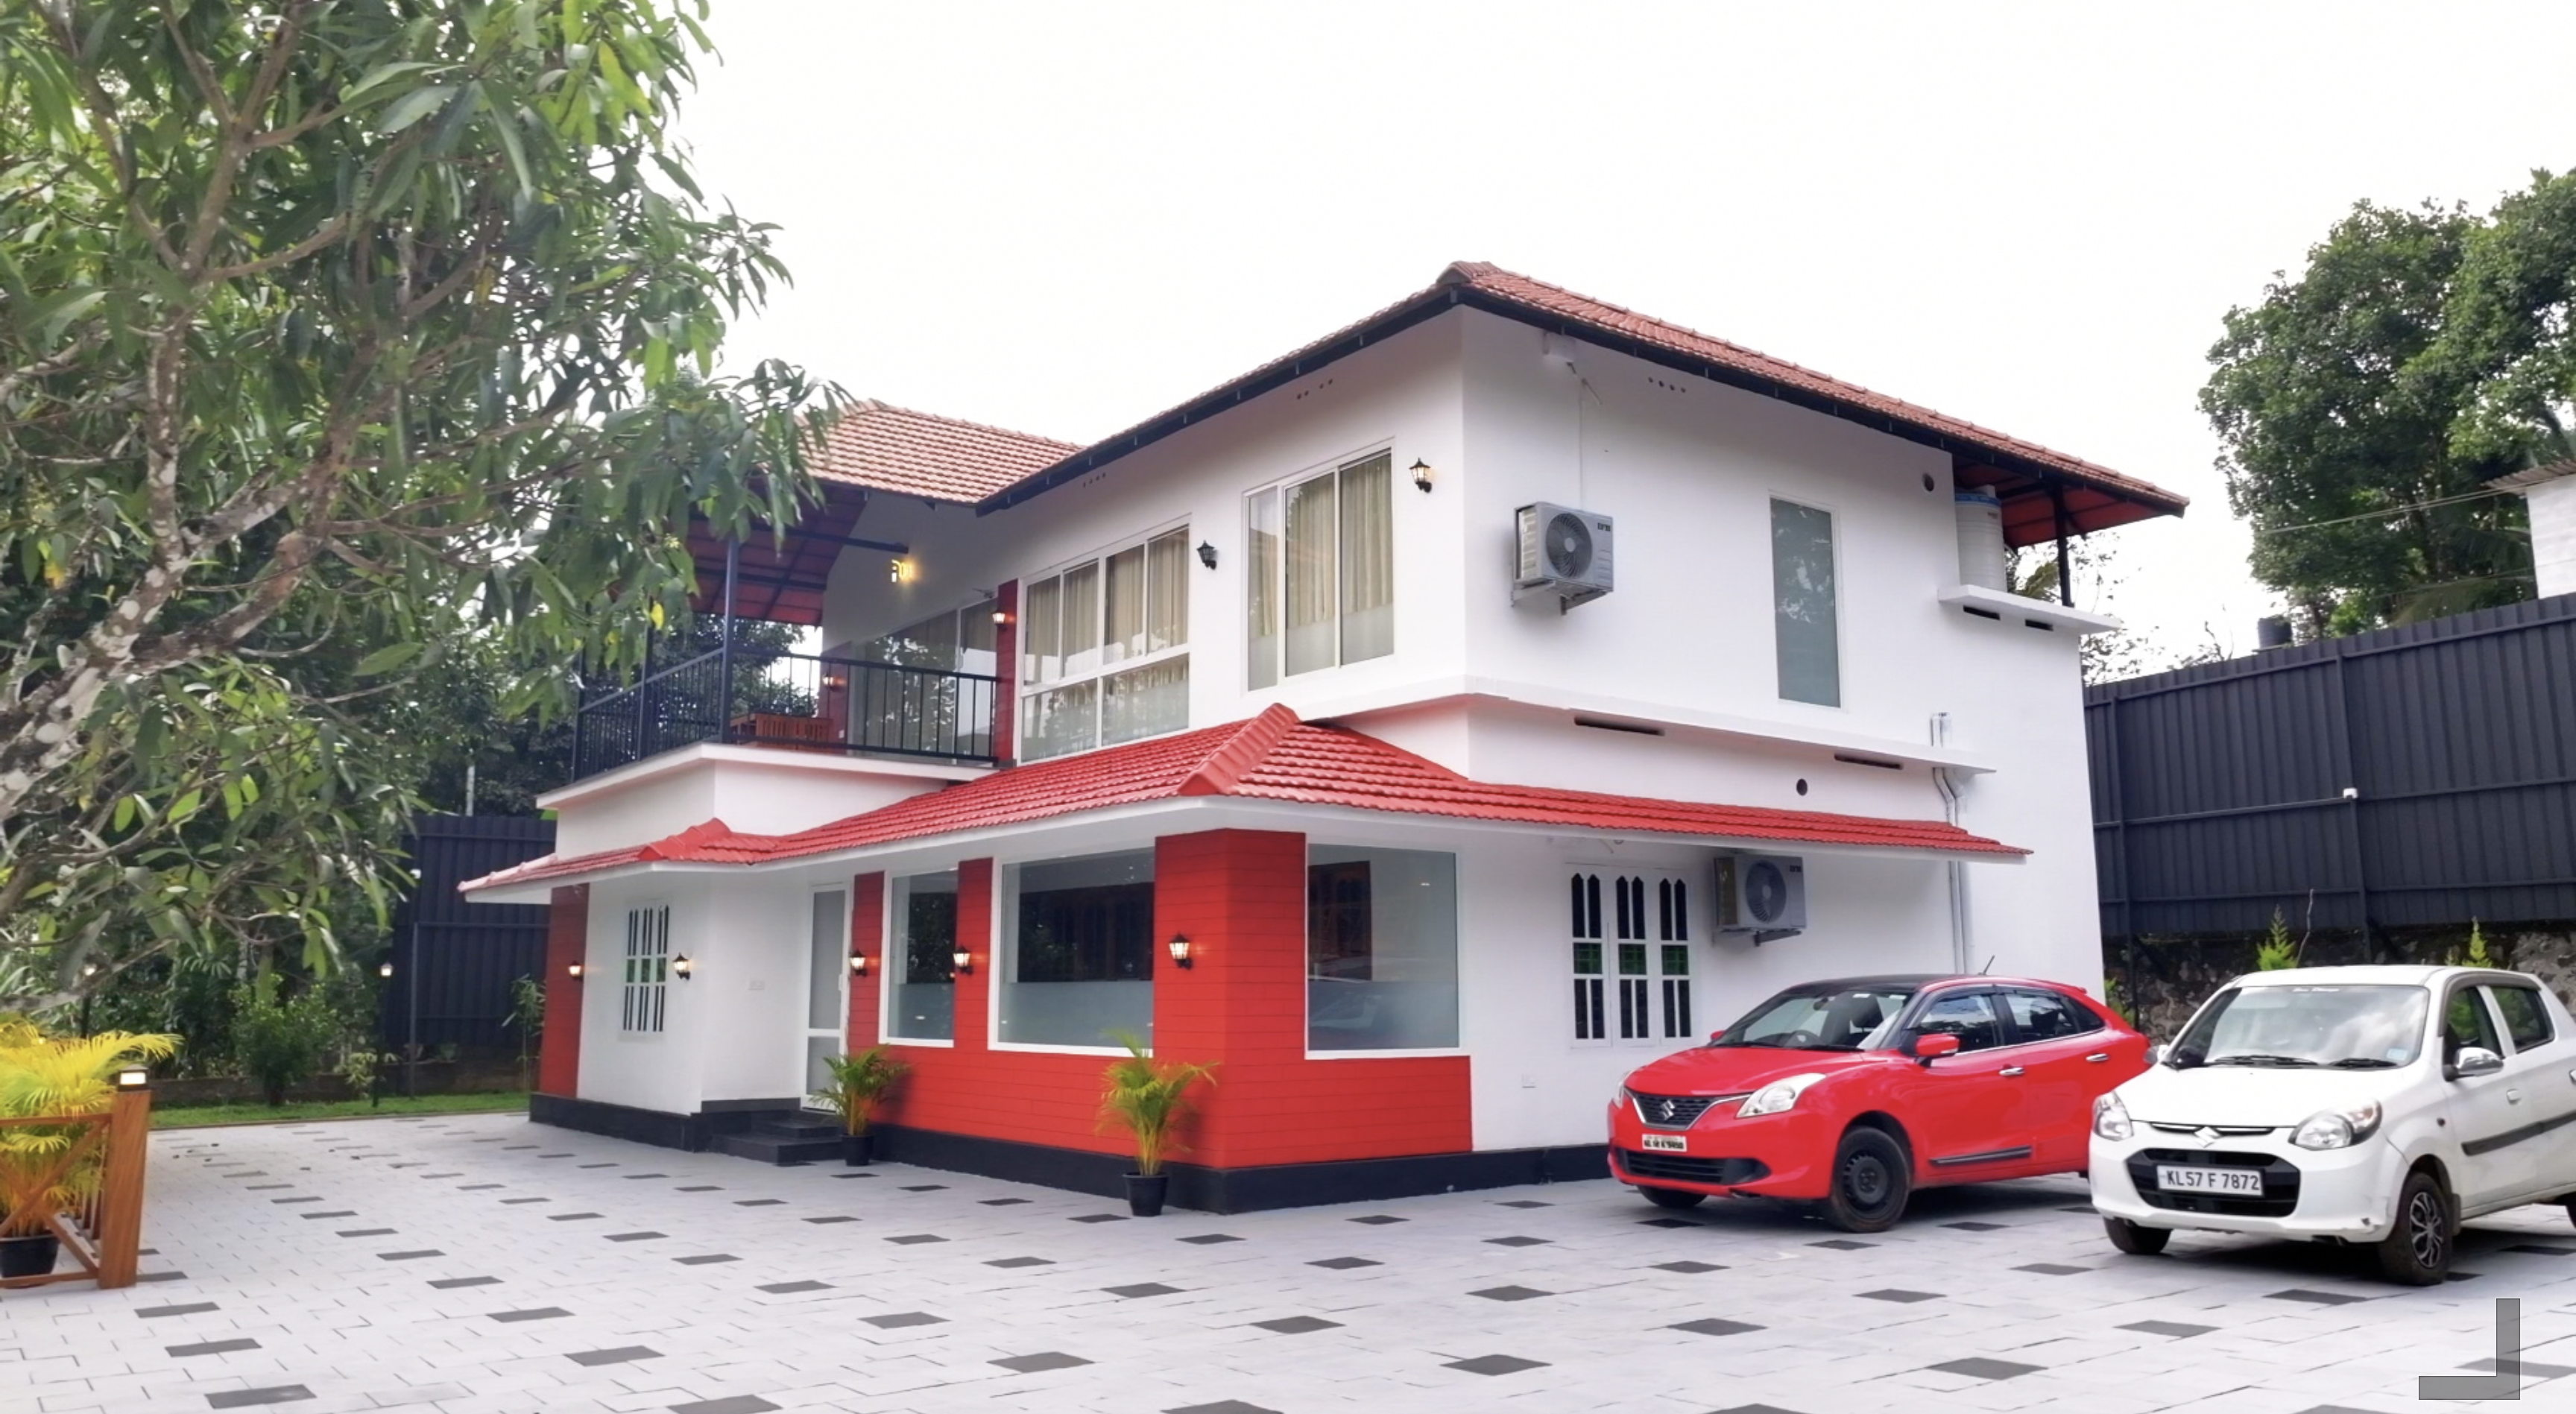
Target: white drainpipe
{"type": "Point", "coordinates": [1960, 941]}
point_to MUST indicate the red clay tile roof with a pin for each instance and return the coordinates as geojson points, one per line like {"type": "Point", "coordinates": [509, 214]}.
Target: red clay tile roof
{"type": "Point", "coordinates": [921, 454]}
{"type": "Point", "coordinates": [1269, 757]}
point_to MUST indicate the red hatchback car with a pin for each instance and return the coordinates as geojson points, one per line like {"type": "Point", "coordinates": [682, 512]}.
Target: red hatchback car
{"type": "Point", "coordinates": [1854, 1093]}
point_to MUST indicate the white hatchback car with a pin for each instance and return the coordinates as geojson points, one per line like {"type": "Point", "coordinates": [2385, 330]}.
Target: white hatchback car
{"type": "Point", "coordinates": [2378, 1106]}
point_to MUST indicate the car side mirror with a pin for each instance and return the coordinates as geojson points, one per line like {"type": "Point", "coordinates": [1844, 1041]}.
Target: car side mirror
{"type": "Point", "coordinates": [2155, 1054]}
{"type": "Point", "coordinates": [1716, 1036]}
{"type": "Point", "coordinates": [1928, 1049]}
{"type": "Point", "coordinates": [2473, 1060]}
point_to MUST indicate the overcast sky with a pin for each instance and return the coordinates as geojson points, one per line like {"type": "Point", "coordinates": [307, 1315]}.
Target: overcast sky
{"type": "Point", "coordinates": [1062, 218]}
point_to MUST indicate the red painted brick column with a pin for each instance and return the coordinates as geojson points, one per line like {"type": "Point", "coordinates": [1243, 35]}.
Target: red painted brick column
{"type": "Point", "coordinates": [567, 939]}
{"type": "Point", "coordinates": [1006, 665]}
{"type": "Point", "coordinates": [867, 939]}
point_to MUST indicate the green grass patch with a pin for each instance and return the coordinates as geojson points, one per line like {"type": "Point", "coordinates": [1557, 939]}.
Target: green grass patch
{"type": "Point", "coordinates": [191, 1116]}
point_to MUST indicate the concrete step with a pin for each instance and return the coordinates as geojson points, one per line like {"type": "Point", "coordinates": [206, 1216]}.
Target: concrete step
{"type": "Point", "coordinates": [777, 1149]}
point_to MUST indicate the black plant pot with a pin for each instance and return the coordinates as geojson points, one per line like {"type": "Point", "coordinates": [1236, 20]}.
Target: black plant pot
{"type": "Point", "coordinates": [858, 1149]}
{"type": "Point", "coordinates": [1145, 1193]}
{"type": "Point", "coordinates": [31, 1256]}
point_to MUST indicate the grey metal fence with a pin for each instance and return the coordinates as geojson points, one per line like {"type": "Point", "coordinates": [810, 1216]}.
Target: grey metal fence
{"type": "Point", "coordinates": [454, 961]}
{"type": "Point", "coordinates": [2406, 777]}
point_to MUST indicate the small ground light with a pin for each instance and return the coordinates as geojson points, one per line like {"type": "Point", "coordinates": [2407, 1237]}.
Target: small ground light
{"type": "Point", "coordinates": [133, 1078]}
{"type": "Point", "coordinates": [1180, 946]}
{"type": "Point", "coordinates": [681, 967]}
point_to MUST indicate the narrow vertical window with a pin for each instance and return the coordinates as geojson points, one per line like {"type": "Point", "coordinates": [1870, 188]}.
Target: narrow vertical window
{"type": "Point", "coordinates": [1126, 606]}
{"type": "Point", "coordinates": [1368, 560]}
{"type": "Point", "coordinates": [1587, 992]}
{"type": "Point", "coordinates": [1677, 990]}
{"type": "Point", "coordinates": [1261, 594]}
{"type": "Point", "coordinates": [1802, 589]}
{"type": "Point", "coordinates": [1310, 576]}
{"type": "Point", "coordinates": [641, 1000]}
{"type": "Point", "coordinates": [1634, 1020]}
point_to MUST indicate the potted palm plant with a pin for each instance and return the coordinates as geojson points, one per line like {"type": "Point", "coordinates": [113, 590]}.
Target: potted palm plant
{"type": "Point", "coordinates": [45, 1077]}
{"type": "Point", "coordinates": [1147, 1098]}
{"type": "Point", "coordinates": [858, 1082]}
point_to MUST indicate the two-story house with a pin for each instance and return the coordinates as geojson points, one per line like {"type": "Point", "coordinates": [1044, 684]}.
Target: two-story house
{"type": "Point", "coordinates": [1267, 730]}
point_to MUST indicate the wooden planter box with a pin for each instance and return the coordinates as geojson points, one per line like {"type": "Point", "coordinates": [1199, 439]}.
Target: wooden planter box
{"type": "Point", "coordinates": [776, 729]}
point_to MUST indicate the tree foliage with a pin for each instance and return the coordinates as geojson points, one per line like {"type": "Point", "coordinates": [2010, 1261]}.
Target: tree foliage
{"type": "Point", "coordinates": [322, 324]}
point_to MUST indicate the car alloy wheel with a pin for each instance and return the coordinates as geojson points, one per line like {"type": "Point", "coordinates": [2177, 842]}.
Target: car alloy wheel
{"type": "Point", "coordinates": [2424, 1226]}
{"type": "Point", "coordinates": [2417, 1250]}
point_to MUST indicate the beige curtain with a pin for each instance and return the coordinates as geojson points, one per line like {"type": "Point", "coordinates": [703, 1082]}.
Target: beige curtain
{"type": "Point", "coordinates": [1041, 658]}
{"type": "Point", "coordinates": [1311, 534]}
{"type": "Point", "coordinates": [1368, 559]}
{"type": "Point", "coordinates": [1082, 619]}
{"type": "Point", "coordinates": [1261, 592]}
{"type": "Point", "coordinates": [1126, 605]}
{"type": "Point", "coordinates": [1167, 591]}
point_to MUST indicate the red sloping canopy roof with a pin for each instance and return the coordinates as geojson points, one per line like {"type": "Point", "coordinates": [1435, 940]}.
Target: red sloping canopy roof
{"type": "Point", "coordinates": [1269, 757]}
{"type": "Point", "coordinates": [887, 448]}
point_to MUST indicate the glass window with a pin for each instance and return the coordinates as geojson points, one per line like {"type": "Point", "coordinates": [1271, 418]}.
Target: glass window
{"type": "Point", "coordinates": [1821, 1019]}
{"type": "Point", "coordinates": [2526, 1018]}
{"type": "Point", "coordinates": [1081, 944]}
{"type": "Point", "coordinates": [2045, 1016]}
{"type": "Point", "coordinates": [1381, 949]}
{"type": "Point", "coordinates": [2465, 1023]}
{"type": "Point", "coordinates": [921, 966]}
{"type": "Point", "coordinates": [1320, 570]}
{"type": "Point", "coordinates": [825, 965]}
{"type": "Point", "coordinates": [1106, 654]}
{"type": "Point", "coordinates": [1970, 1016]}
{"type": "Point", "coordinates": [2346, 1027]}
{"type": "Point", "coordinates": [1802, 588]}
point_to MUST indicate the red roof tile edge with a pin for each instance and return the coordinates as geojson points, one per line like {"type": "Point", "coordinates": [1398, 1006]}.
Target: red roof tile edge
{"type": "Point", "coordinates": [1270, 757]}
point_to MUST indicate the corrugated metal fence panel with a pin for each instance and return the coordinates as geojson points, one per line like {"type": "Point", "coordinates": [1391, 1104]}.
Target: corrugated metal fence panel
{"type": "Point", "coordinates": [462, 957]}
{"type": "Point", "coordinates": [2218, 790]}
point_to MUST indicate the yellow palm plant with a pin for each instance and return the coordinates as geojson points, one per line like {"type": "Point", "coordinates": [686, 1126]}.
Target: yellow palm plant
{"type": "Point", "coordinates": [49, 1168]}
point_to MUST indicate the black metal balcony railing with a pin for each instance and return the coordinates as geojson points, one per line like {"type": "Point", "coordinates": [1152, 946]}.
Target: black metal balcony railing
{"type": "Point", "coordinates": [796, 700]}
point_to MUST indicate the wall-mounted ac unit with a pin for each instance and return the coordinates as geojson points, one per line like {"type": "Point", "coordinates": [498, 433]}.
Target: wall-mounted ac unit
{"type": "Point", "coordinates": [1761, 893]}
{"type": "Point", "coordinates": [1563, 552]}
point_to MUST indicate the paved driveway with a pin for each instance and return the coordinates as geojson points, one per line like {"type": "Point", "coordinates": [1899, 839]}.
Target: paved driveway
{"type": "Point", "coordinates": [481, 1264]}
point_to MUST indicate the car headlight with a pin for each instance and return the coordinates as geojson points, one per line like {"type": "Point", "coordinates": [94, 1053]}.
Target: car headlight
{"type": "Point", "coordinates": [2337, 1129]}
{"type": "Point", "coordinates": [1777, 1096]}
{"type": "Point", "coordinates": [2110, 1118]}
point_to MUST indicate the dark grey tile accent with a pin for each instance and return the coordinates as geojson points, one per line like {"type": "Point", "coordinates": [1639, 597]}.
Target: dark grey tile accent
{"type": "Point", "coordinates": [645, 1175]}
{"type": "Point", "coordinates": [507, 1148]}
{"type": "Point", "coordinates": [1755, 1409]}
{"type": "Point", "coordinates": [475, 1187]}
{"type": "Point", "coordinates": [2541, 1249]}
{"type": "Point", "coordinates": [759, 1202]}
{"type": "Point", "coordinates": [1223, 1406]}
{"type": "Point", "coordinates": [703, 1188]}
{"type": "Point", "coordinates": [2462, 1276]}
{"type": "Point", "coordinates": [245, 1398]}
{"type": "Point", "coordinates": [442, 1175]}
{"type": "Point", "coordinates": [213, 1347]}
{"type": "Point", "coordinates": [366, 1232]}
{"type": "Point", "coordinates": [1299, 1325]}
{"type": "Point", "coordinates": [791, 1288]}
{"type": "Point", "coordinates": [1045, 1360]}
{"type": "Point", "coordinates": [452, 1283]}
{"type": "Point", "coordinates": [1841, 1244]}
{"type": "Point", "coordinates": [1978, 1367]}
{"type": "Point", "coordinates": [554, 1156]}
{"type": "Point", "coordinates": [1667, 1222]}
{"type": "Point", "coordinates": [1377, 1220]}
{"type": "Point", "coordinates": [1524, 1203]}
{"type": "Point", "coordinates": [304, 1198]}
{"type": "Point", "coordinates": [730, 1404]}
{"type": "Point", "coordinates": [923, 1187]}
{"type": "Point", "coordinates": [329, 1213]}
{"type": "Point", "coordinates": [901, 1319]}
{"type": "Point", "coordinates": [410, 1256]}
{"type": "Point", "coordinates": [706, 1259]}
{"type": "Point", "coordinates": [1000, 1202]}
{"type": "Point", "coordinates": [597, 1166]}
{"type": "Point", "coordinates": [534, 1313]}
{"type": "Point", "coordinates": [1143, 1288]}
{"type": "Point", "coordinates": [1210, 1239]}
{"type": "Point", "coordinates": [2053, 1269]}
{"type": "Point", "coordinates": [193, 1308]}
{"type": "Point", "coordinates": [2531, 1369]}
{"type": "Point", "coordinates": [568, 1217]}
{"type": "Point", "coordinates": [515, 1201]}
{"type": "Point", "coordinates": [1021, 1262]}
{"type": "Point", "coordinates": [1900, 1295]}
{"type": "Point", "coordinates": [2085, 1208]}
{"type": "Point", "coordinates": [1688, 1267]}
{"type": "Point", "coordinates": [835, 1218]}
{"type": "Point", "coordinates": [2179, 1330]}
{"type": "Point", "coordinates": [1714, 1326]}
{"type": "Point", "coordinates": [1344, 1264]}
{"type": "Point", "coordinates": [1100, 1218]}
{"type": "Point", "coordinates": [162, 1276]}
{"type": "Point", "coordinates": [912, 1239]}
{"type": "Point", "coordinates": [1976, 1226]}
{"type": "Point", "coordinates": [636, 1236]}
{"type": "Point", "coordinates": [249, 1173]}
{"type": "Point", "coordinates": [1495, 1365]}
{"type": "Point", "coordinates": [622, 1355]}
{"type": "Point", "coordinates": [2315, 1298]}
{"type": "Point", "coordinates": [266, 1187]}
{"type": "Point", "coordinates": [1511, 1293]}
{"type": "Point", "coordinates": [1517, 1241]}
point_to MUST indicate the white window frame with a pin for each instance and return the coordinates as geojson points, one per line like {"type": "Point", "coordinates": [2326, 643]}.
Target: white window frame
{"type": "Point", "coordinates": [1003, 956]}
{"type": "Point", "coordinates": [1771, 565]}
{"type": "Point", "coordinates": [635, 998]}
{"type": "Point", "coordinates": [807, 1033]}
{"type": "Point", "coordinates": [1332, 467]}
{"type": "Point", "coordinates": [1023, 687]}
{"type": "Point", "coordinates": [891, 948]}
{"type": "Point", "coordinates": [1651, 924]}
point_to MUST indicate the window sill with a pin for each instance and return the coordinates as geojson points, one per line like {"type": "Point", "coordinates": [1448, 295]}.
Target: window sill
{"type": "Point", "coordinates": [946, 1045]}
{"type": "Point", "coordinates": [2013, 610]}
{"type": "Point", "coordinates": [1035, 1049]}
{"type": "Point", "coordinates": [1426, 1053]}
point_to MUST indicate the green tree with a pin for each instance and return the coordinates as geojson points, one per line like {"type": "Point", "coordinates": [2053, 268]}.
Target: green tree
{"type": "Point", "coordinates": [2510, 329]}
{"type": "Point", "coordinates": [323, 324]}
{"type": "Point", "coordinates": [2338, 431]}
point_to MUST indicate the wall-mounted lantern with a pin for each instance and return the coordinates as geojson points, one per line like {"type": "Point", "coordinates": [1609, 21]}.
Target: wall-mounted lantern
{"type": "Point", "coordinates": [1180, 946]}
{"type": "Point", "coordinates": [385, 969]}
{"type": "Point", "coordinates": [1422, 473]}
{"type": "Point", "coordinates": [897, 571]}
{"type": "Point", "coordinates": [858, 964]}
{"type": "Point", "coordinates": [1207, 554]}
{"type": "Point", "coordinates": [682, 968]}
{"type": "Point", "coordinates": [965, 962]}
{"type": "Point", "coordinates": [573, 971]}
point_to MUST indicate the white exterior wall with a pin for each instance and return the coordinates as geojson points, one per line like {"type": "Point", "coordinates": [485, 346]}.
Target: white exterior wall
{"type": "Point", "coordinates": [757, 790]}
{"type": "Point", "coordinates": [646, 1072]}
{"type": "Point", "coordinates": [2553, 534]}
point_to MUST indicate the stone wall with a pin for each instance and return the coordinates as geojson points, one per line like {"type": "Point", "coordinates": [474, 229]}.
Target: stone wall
{"type": "Point", "coordinates": [2163, 980]}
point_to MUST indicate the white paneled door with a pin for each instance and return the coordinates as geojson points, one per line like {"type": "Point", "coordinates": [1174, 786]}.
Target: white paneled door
{"type": "Point", "coordinates": [827, 988]}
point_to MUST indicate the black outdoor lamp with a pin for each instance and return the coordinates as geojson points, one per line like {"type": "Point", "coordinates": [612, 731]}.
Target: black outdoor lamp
{"type": "Point", "coordinates": [385, 969]}
{"type": "Point", "coordinates": [1207, 554]}
{"type": "Point", "coordinates": [1180, 946]}
{"type": "Point", "coordinates": [573, 970]}
{"type": "Point", "coordinates": [965, 961]}
{"type": "Point", "coordinates": [1422, 474]}
{"type": "Point", "coordinates": [858, 964]}
{"type": "Point", "coordinates": [681, 967]}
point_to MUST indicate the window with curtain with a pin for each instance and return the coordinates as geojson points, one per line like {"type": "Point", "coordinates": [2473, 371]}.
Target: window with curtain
{"type": "Point", "coordinates": [921, 966]}
{"type": "Point", "coordinates": [1079, 964]}
{"type": "Point", "coordinates": [1381, 949]}
{"type": "Point", "coordinates": [1320, 566]}
{"type": "Point", "coordinates": [1104, 649]}
{"type": "Point", "coordinates": [1802, 609]}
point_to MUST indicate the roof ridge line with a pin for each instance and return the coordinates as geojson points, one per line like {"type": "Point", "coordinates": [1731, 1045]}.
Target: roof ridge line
{"type": "Point", "coordinates": [698, 833]}
{"type": "Point", "coordinates": [862, 406]}
{"type": "Point", "coordinates": [1225, 767]}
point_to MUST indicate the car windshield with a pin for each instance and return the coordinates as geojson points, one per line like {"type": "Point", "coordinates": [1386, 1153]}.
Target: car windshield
{"type": "Point", "coordinates": [2301, 1027]}
{"type": "Point", "coordinates": [1822, 1019]}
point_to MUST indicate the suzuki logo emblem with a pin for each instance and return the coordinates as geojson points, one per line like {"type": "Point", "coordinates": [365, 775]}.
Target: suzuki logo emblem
{"type": "Point", "coordinates": [2206, 1134]}
{"type": "Point", "coordinates": [1669, 1109]}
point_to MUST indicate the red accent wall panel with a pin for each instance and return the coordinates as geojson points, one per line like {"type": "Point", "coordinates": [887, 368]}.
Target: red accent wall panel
{"type": "Point", "coordinates": [1006, 665]}
{"type": "Point", "coordinates": [567, 939]}
{"type": "Point", "coordinates": [867, 939]}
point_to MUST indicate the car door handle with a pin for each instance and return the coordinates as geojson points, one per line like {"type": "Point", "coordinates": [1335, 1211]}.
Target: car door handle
{"type": "Point", "coordinates": [2513, 1097]}
{"type": "Point", "coordinates": [2009, 1070]}
{"type": "Point", "coordinates": [2100, 1056]}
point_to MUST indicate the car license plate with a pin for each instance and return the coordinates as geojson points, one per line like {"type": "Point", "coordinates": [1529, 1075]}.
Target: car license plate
{"type": "Point", "coordinates": [2174, 1178]}
{"type": "Point", "coordinates": [1670, 1143]}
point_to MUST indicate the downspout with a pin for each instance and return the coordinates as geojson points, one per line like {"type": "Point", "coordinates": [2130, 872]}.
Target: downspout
{"type": "Point", "coordinates": [1961, 956]}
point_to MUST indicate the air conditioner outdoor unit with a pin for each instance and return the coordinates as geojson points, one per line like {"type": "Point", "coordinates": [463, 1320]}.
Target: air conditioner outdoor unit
{"type": "Point", "coordinates": [1761, 894]}
{"type": "Point", "coordinates": [1563, 552]}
